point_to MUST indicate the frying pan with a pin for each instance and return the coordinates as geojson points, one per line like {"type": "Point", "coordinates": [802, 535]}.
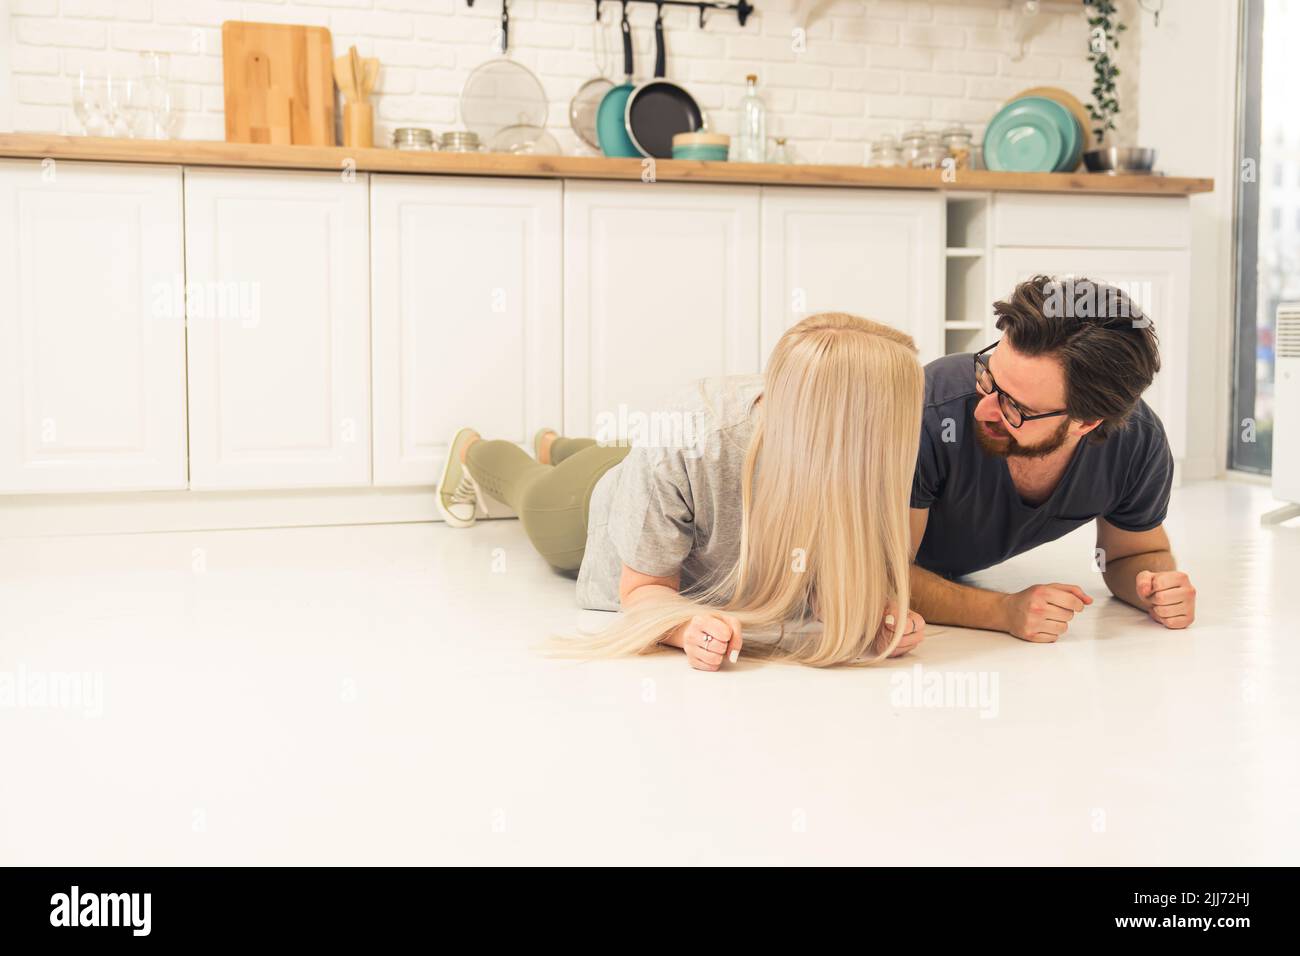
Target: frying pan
{"type": "Point", "coordinates": [659, 109]}
{"type": "Point", "coordinates": [610, 129]}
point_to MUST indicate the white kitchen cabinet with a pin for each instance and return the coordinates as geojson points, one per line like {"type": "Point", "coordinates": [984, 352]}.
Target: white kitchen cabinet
{"type": "Point", "coordinates": [467, 315]}
{"type": "Point", "coordinates": [1092, 222]}
{"type": "Point", "coordinates": [660, 288]}
{"type": "Point", "coordinates": [278, 270]}
{"type": "Point", "coordinates": [1158, 280]}
{"type": "Point", "coordinates": [873, 253]}
{"type": "Point", "coordinates": [92, 341]}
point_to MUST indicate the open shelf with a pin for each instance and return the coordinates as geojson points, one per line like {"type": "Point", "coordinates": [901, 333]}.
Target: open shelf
{"type": "Point", "coordinates": [966, 268]}
{"type": "Point", "coordinates": [968, 223]}
{"type": "Point", "coordinates": [964, 340]}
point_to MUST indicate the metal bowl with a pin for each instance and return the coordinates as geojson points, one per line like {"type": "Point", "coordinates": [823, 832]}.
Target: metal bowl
{"type": "Point", "coordinates": [1120, 160]}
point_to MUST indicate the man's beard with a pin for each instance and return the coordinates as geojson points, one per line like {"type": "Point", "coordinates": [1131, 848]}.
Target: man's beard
{"type": "Point", "coordinates": [1004, 445]}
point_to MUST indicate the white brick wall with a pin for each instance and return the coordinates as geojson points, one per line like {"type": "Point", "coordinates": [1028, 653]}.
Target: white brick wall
{"type": "Point", "coordinates": [869, 66]}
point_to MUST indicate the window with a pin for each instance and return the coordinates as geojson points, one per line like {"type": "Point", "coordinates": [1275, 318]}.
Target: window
{"type": "Point", "coordinates": [1268, 252]}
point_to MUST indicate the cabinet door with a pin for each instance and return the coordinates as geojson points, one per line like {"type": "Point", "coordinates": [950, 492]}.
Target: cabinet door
{"type": "Point", "coordinates": [279, 328]}
{"type": "Point", "coordinates": [660, 288]}
{"type": "Point", "coordinates": [872, 253]}
{"type": "Point", "coordinates": [1158, 280]}
{"type": "Point", "coordinates": [92, 339]}
{"type": "Point", "coordinates": [467, 321]}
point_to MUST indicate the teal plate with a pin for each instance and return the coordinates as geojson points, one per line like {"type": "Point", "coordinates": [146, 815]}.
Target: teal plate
{"type": "Point", "coordinates": [1068, 124]}
{"type": "Point", "coordinates": [1074, 140]}
{"type": "Point", "coordinates": [1026, 137]}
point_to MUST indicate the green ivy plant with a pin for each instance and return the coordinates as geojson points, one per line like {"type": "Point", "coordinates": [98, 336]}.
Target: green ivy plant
{"type": "Point", "coordinates": [1103, 39]}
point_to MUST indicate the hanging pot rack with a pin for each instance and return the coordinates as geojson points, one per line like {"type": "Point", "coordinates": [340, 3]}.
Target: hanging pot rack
{"type": "Point", "coordinates": [742, 9]}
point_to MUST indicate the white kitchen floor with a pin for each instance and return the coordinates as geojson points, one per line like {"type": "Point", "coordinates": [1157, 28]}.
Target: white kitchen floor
{"type": "Point", "coordinates": [368, 695]}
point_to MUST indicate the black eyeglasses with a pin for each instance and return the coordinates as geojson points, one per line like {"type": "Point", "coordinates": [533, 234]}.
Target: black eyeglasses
{"type": "Point", "coordinates": [1012, 412]}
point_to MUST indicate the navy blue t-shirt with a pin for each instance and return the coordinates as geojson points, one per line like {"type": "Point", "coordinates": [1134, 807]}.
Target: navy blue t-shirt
{"type": "Point", "coordinates": [977, 518]}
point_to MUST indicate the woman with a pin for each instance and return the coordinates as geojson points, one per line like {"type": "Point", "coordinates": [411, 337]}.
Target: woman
{"type": "Point", "coordinates": [778, 500]}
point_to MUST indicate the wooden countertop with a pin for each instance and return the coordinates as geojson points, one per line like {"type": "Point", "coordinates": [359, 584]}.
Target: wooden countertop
{"type": "Point", "coordinates": [214, 153]}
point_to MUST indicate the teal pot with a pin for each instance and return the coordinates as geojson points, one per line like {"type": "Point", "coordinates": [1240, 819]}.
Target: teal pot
{"type": "Point", "coordinates": [710, 147]}
{"type": "Point", "coordinates": [611, 128]}
{"type": "Point", "coordinates": [710, 154]}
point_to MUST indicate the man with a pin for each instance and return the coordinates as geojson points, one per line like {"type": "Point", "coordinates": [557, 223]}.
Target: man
{"type": "Point", "coordinates": [1035, 435]}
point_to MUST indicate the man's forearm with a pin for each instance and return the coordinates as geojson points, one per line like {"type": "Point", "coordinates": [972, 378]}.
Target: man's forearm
{"type": "Point", "coordinates": [1121, 575]}
{"type": "Point", "coordinates": [941, 601]}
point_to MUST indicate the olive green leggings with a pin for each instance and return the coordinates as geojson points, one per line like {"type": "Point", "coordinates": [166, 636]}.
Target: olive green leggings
{"type": "Point", "coordinates": [553, 500]}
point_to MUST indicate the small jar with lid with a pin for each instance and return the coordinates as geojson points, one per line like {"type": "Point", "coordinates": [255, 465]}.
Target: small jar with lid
{"type": "Point", "coordinates": [933, 153]}
{"type": "Point", "coordinates": [459, 141]}
{"type": "Point", "coordinates": [413, 138]}
{"type": "Point", "coordinates": [913, 145]}
{"type": "Point", "coordinates": [886, 153]}
{"type": "Point", "coordinates": [957, 141]}
{"type": "Point", "coordinates": [782, 152]}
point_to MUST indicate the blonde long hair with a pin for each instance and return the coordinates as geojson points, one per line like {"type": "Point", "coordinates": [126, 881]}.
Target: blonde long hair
{"type": "Point", "coordinates": [825, 522]}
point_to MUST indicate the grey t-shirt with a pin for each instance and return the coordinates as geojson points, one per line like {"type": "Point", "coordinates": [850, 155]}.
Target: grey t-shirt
{"type": "Point", "coordinates": [673, 504]}
{"type": "Point", "coordinates": [977, 519]}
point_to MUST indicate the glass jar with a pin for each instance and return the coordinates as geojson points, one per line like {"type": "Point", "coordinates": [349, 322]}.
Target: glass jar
{"type": "Point", "coordinates": [913, 145]}
{"type": "Point", "coordinates": [459, 141]}
{"type": "Point", "coordinates": [885, 153]}
{"type": "Point", "coordinates": [957, 141]}
{"type": "Point", "coordinates": [413, 138]}
{"type": "Point", "coordinates": [933, 153]}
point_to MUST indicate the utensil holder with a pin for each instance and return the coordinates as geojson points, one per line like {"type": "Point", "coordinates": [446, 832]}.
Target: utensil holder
{"type": "Point", "coordinates": [358, 125]}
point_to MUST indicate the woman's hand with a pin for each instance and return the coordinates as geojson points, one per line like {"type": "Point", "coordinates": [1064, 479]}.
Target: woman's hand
{"type": "Point", "coordinates": [913, 632]}
{"type": "Point", "coordinates": [707, 638]}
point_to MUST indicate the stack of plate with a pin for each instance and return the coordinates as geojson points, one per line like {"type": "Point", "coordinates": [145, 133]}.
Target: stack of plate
{"type": "Point", "coordinates": [1042, 130]}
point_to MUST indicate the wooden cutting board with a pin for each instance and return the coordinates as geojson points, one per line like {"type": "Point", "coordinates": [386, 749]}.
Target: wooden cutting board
{"type": "Point", "coordinates": [279, 83]}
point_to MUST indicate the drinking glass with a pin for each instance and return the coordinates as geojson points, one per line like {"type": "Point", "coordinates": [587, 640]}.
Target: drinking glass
{"type": "Point", "coordinates": [87, 103]}
{"type": "Point", "coordinates": [155, 66]}
{"type": "Point", "coordinates": [113, 105]}
{"type": "Point", "coordinates": [164, 110]}
{"type": "Point", "coordinates": [137, 108]}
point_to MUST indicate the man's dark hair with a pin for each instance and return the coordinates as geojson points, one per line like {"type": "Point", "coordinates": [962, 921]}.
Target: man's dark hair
{"type": "Point", "coordinates": [1104, 341]}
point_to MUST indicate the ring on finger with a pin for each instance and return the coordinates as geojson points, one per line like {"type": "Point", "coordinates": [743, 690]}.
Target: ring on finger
{"type": "Point", "coordinates": [707, 638]}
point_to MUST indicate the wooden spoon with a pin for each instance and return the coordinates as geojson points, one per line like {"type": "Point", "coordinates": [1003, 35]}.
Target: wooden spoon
{"type": "Point", "coordinates": [371, 77]}
{"type": "Point", "coordinates": [343, 77]}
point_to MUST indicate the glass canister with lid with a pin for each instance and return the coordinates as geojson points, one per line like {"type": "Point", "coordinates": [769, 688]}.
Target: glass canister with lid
{"type": "Point", "coordinates": [413, 138]}
{"type": "Point", "coordinates": [913, 146]}
{"type": "Point", "coordinates": [782, 152]}
{"type": "Point", "coordinates": [932, 153]}
{"type": "Point", "coordinates": [459, 141]}
{"type": "Point", "coordinates": [957, 141]}
{"type": "Point", "coordinates": [886, 153]}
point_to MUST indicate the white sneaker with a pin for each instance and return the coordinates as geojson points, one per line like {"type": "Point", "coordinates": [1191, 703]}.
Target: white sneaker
{"type": "Point", "coordinates": [459, 498]}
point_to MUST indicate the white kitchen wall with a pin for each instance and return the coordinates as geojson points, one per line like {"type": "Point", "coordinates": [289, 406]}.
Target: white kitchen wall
{"type": "Point", "coordinates": [1189, 67]}
{"type": "Point", "coordinates": [868, 66]}
{"type": "Point", "coordinates": [6, 69]}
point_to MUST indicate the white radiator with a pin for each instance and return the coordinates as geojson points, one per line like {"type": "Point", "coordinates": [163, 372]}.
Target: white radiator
{"type": "Point", "coordinates": [1286, 413]}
